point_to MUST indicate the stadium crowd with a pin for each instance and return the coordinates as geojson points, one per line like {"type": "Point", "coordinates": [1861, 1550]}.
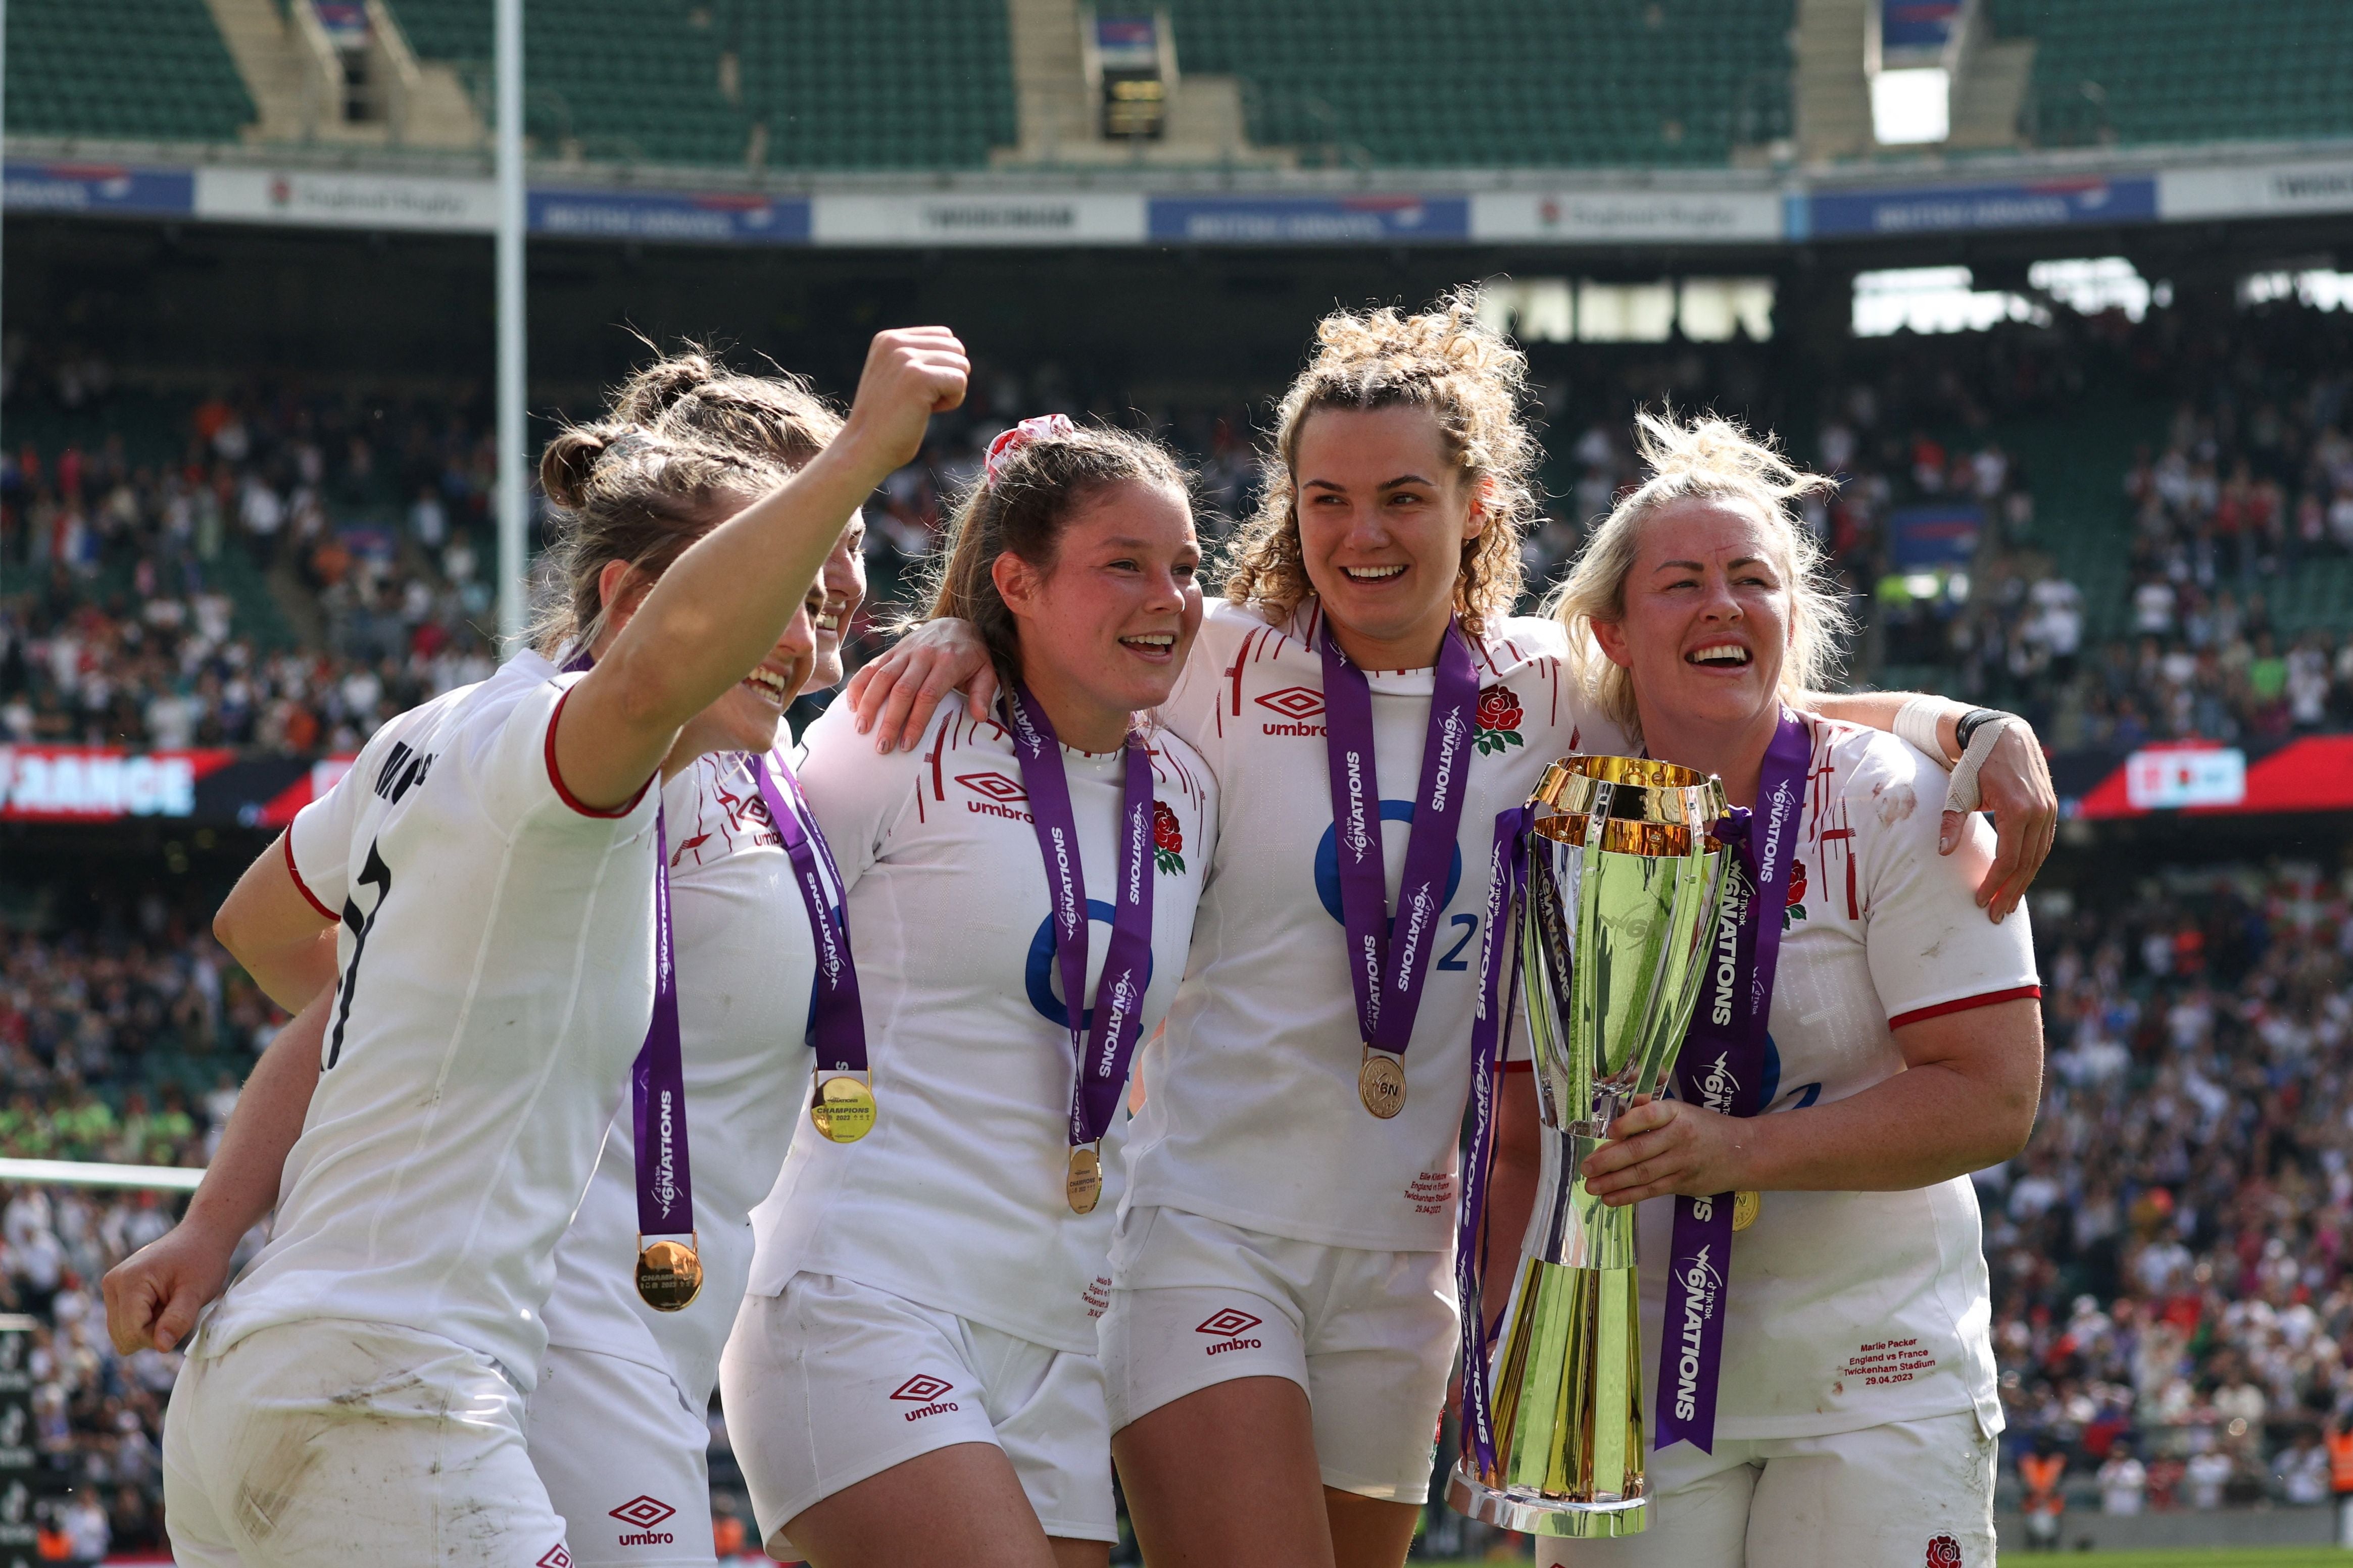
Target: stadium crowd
{"type": "Point", "coordinates": [2173, 1310]}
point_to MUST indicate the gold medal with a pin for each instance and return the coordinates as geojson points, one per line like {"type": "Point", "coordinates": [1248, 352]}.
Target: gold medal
{"type": "Point", "coordinates": [842, 1108]}
{"type": "Point", "coordinates": [1746, 1207]}
{"type": "Point", "coordinates": [669, 1274]}
{"type": "Point", "coordinates": [1380, 1083]}
{"type": "Point", "coordinates": [1083, 1185]}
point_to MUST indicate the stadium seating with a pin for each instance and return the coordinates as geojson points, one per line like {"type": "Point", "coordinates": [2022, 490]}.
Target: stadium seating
{"type": "Point", "coordinates": [2182, 71]}
{"type": "Point", "coordinates": [1477, 83]}
{"type": "Point", "coordinates": [122, 70]}
{"type": "Point", "coordinates": [885, 84]}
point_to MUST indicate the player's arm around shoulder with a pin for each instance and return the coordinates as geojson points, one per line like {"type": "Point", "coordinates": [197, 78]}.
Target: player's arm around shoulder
{"type": "Point", "coordinates": [860, 794]}
{"type": "Point", "coordinates": [1960, 992]}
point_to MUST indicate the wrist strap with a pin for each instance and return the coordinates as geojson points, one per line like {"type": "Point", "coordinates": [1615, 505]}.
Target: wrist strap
{"type": "Point", "coordinates": [1917, 722]}
{"type": "Point", "coordinates": [1971, 722]}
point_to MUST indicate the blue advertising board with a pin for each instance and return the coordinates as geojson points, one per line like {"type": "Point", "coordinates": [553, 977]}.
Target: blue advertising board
{"type": "Point", "coordinates": [1916, 26]}
{"type": "Point", "coordinates": [710, 217]}
{"type": "Point", "coordinates": [1309, 220]}
{"type": "Point", "coordinates": [2025, 204]}
{"type": "Point", "coordinates": [101, 188]}
{"type": "Point", "coordinates": [1929, 538]}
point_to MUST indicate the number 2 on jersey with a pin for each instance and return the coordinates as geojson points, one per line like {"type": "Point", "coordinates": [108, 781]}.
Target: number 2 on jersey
{"type": "Point", "coordinates": [377, 875]}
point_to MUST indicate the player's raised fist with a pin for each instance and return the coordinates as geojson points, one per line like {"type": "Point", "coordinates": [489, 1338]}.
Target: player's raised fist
{"type": "Point", "coordinates": [911, 374]}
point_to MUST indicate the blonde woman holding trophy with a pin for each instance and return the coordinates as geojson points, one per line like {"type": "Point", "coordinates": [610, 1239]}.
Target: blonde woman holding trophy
{"type": "Point", "coordinates": [1824, 1392]}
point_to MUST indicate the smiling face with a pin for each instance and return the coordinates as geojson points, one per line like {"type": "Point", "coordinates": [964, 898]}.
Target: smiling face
{"type": "Point", "coordinates": [1708, 617]}
{"type": "Point", "coordinates": [844, 582]}
{"type": "Point", "coordinates": [1105, 627]}
{"type": "Point", "coordinates": [1384, 513]}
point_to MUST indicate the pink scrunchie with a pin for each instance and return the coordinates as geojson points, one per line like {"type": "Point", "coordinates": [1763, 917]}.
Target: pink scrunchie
{"type": "Point", "coordinates": [1001, 450]}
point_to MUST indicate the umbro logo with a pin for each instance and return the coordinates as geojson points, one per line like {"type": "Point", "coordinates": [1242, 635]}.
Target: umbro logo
{"type": "Point", "coordinates": [556, 1557]}
{"type": "Point", "coordinates": [995, 786]}
{"type": "Point", "coordinates": [1228, 1326]}
{"type": "Point", "coordinates": [645, 1513]}
{"type": "Point", "coordinates": [1293, 703]}
{"type": "Point", "coordinates": [924, 1391]}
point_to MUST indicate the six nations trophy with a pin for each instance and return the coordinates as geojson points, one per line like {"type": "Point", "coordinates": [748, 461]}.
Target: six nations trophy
{"type": "Point", "coordinates": [1623, 878]}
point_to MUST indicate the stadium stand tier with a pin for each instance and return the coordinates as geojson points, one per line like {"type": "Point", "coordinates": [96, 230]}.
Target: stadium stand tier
{"type": "Point", "coordinates": [2182, 71]}
{"type": "Point", "coordinates": [782, 83]}
{"type": "Point", "coordinates": [122, 70]}
{"type": "Point", "coordinates": [1481, 82]}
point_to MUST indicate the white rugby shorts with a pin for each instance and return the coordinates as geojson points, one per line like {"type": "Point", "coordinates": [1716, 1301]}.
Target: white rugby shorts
{"type": "Point", "coordinates": [625, 1460]}
{"type": "Point", "coordinates": [1893, 1496]}
{"type": "Point", "coordinates": [363, 1444]}
{"type": "Point", "coordinates": [1370, 1335]}
{"type": "Point", "coordinates": [833, 1381]}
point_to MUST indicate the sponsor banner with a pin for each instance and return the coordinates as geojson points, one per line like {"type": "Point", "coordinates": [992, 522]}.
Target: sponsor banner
{"type": "Point", "coordinates": [99, 188]}
{"type": "Point", "coordinates": [1309, 220]}
{"type": "Point", "coordinates": [2267, 191]}
{"type": "Point", "coordinates": [1043, 218]}
{"type": "Point", "coordinates": [2314, 772]}
{"type": "Point", "coordinates": [346, 200]}
{"type": "Point", "coordinates": [211, 786]}
{"type": "Point", "coordinates": [711, 217]}
{"type": "Point", "coordinates": [2025, 204]}
{"type": "Point", "coordinates": [1928, 538]}
{"type": "Point", "coordinates": [1602, 217]}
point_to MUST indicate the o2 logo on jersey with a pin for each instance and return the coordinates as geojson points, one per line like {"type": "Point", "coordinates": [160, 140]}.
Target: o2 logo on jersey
{"type": "Point", "coordinates": [1040, 973]}
{"type": "Point", "coordinates": [1327, 881]}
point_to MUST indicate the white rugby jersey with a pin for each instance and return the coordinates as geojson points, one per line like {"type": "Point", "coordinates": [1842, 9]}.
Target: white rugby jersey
{"type": "Point", "coordinates": [1250, 1112]}
{"type": "Point", "coordinates": [496, 963]}
{"type": "Point", "coordinates": [1847, 1309]}
{"type": "Point", "coordinates": [956, 1199]}
{"type": "Point", "coordinates": [745, 964]}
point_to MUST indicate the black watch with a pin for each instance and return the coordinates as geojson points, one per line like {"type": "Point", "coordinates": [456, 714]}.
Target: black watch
{"type": "Point", "coordinates": [1971, 723]}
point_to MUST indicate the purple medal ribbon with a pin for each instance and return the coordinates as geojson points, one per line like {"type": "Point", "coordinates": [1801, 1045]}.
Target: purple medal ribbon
{"type": "Point", "coordinates": [1722, 1067]}
{"type": "Point", "coordinates": [838, 1025]}
{"type": "Point", "coordinates": [1491, 1027]}
{"type": "Point", "coordinates": [1388, 994]}
{"type": "Point", "coordinates": [658, 1081]}
{"type": "Point", "coordinates": [1104, 1051]}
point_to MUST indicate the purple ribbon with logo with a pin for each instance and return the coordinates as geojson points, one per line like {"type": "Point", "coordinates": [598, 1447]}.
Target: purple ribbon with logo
{"type": "Point", "coordinates": [1388, 993]}
{"type": "Point", "coordinates": [1103, 1050]}
{"type": "Point", "coordinates": [1491, 1028]}
{"type": "Point", "coordinates": [658, 1081]}
{"type": "Point", "coordinates": [1722, 1067]}
{"type": "Point", "coordinates": [837, 1022]}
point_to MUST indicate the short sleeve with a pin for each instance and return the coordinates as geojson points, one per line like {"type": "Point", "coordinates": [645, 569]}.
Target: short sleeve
{"type": "Point", "coordinates": [507, 753]}
{"type": "Point", "coordinates": [318, 843]}
{"type": "Point", "coordinates": [856, 792]}
{"type": "Point", "coordinates": [1932, 950]}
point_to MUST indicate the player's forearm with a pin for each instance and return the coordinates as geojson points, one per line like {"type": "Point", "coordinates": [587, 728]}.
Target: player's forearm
{"type": "Point", "coordinates": [1511, 1187]}
{"type": "Point", "coordinates": [242, 1186]}
{"type": "Point", "coordinates": [1877, 710]}
{"type": "Point", "coordinates": [710, 618]}
{"type": "Point", "coordinates": [1926, 1124]}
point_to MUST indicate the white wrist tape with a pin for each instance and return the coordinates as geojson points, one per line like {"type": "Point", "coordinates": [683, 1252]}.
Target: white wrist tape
{"type": "Point", "coordinates": [1917, 722]}
{"type": "Point", "coordinates": [1961, 794]}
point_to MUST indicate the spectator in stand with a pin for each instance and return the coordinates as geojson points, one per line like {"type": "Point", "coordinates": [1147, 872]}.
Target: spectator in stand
{"type": "Point", "coordinates": [2124, 1482]}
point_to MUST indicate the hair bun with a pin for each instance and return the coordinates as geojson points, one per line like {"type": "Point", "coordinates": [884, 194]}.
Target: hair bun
{"type": "Point", "coordinates": [570, 458]}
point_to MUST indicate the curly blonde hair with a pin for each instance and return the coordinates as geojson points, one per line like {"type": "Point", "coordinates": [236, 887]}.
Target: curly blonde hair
{"type": "Point", "coordinates": [1705, 458]}
{"type": "Point", "coordinates": [1470, 379]}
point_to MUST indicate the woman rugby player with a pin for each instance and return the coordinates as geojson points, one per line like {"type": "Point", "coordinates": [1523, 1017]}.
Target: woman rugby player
{"type": "Point", "coordinates": [913, 1376]}
{"type": "Point", "coordinates": [467, 1076]}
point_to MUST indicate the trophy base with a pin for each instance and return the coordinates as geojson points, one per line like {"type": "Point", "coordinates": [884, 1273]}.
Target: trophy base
{"type": "Point", "coordinates": [1533, 1513]}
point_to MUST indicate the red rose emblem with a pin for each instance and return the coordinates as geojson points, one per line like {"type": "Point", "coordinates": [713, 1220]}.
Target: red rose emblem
{"type": "Point", "coordinates": [1944, 1552]}
{"type": "Point", "coordinates": [1167, 832]}
{"type": "Point", "coordinates": [1798, 893]}
{"type": "Point", "coordinates": [1499, 709]}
